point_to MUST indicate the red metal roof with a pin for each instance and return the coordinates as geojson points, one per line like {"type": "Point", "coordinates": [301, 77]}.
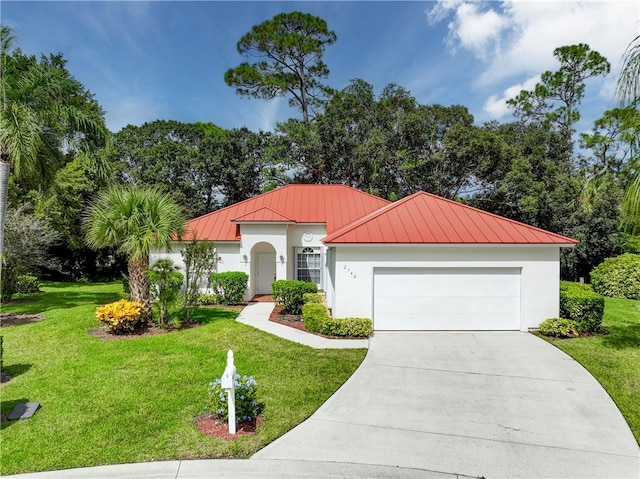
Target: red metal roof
{"type": "Point", "coordinates": [333, 205]}
{"type": "Point", "coordinates": [263, 215]}
{"type": "Point", "coordinates": [423, 218]}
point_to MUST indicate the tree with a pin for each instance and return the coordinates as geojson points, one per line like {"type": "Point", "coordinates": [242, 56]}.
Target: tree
{"type": "Point", "coordinates": [232, 161]}
{"type": "Point", "coordinates": [134, 220]}
{"type": "Point", "coordinates": [27, 240]}
{"type": "Point", "coordinates": [290, 47]}
{"type": "Point", "coordinates": [45, 117]}
{"type": "Point", "coordinates": [165, 153]}
{"type": "Point", "coordinates": [555, 99]}
{"type": "Point", "coordinates": [629, 94]}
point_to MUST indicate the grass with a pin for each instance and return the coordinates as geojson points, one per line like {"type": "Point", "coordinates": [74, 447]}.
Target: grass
{"type": "Point", "coordinates": [614, 359]}
{"type": "Point", "coordinates": [135, 399]}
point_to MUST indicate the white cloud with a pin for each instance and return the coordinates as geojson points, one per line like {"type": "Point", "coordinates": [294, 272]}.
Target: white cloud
{"type": "Point", "coordinates": [475, 29]}
{"type": "Point", "coordinates": [496, 106]}
{"type": "Point", "coordinates": [514, 40]}
{"type": "Point", "coordinates": [519, 37]}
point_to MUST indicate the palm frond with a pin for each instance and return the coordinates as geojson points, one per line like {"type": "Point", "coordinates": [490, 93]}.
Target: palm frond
{"type": "Point", "coordinates": [628, 87]}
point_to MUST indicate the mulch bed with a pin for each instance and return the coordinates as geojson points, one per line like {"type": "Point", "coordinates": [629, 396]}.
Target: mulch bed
{"type": "Point", "coordinates": [15, 319]}
{"type": "Point", "coordinates": [103, 332]}
{"type": "Point", "coordinates": [281, 316]}
{"type": "Point", "coordinates": [211, 426]}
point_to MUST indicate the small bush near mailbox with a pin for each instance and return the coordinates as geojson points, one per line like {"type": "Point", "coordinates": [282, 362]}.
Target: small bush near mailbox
{"type": "Point", "coordinates": [559, 328]}
{"type": "Point", "coordinates": [618, 277]}
{"type": "Point", "coordinates": [229, 287]}
{"type": "Point", "coordinates": [289, 293]}
{"type": "Point", "coordinates": [579, 303]}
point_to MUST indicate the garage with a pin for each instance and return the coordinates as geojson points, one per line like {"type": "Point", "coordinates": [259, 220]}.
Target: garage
{"type": "Point", "coordinates": [446, 299]}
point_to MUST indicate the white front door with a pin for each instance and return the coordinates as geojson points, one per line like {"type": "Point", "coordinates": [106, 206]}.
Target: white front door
{"type": "Point", "coordinates": [266, 272]}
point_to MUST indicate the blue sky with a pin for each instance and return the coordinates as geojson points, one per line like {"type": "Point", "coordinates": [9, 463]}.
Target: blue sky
{"type": "Point", "coordinates": [166, 60]}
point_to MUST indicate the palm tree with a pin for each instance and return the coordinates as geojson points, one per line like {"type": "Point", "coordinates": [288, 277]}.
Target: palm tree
{"type": "Point", "coordinates": [134, 220]}
{"type": "Point", "coordinates": [628, 93]}
{"type": "Point", "coordinates": [34, 116]}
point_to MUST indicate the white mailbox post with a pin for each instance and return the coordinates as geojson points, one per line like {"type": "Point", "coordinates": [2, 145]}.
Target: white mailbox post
{"type": "Point", "coordinates": [228, 384]}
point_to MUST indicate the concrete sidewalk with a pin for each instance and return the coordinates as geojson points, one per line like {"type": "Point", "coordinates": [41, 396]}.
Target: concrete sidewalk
{"type": "Point", "coordinates": [257, 315]}
{"type": "Point", "coordinates": [237, 469]}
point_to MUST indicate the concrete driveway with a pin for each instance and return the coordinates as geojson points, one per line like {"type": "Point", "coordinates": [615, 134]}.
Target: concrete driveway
{"type": "Point", "coordinates": [475, 404]}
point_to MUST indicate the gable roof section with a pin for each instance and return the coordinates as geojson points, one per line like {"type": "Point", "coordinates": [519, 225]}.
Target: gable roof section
{"type": "Point", "coordinates": [333, 205]}
{"type": "Point", "coordinates": [423, 218]}
{"type": "Point", "coordinates": [263, 215]}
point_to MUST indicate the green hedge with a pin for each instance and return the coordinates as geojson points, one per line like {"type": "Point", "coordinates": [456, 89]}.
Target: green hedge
{"type": "Point", "coordinates": [312, 298]}
{"type": "Point", "coordinates": [618, 277]}
{"type": "Point", "coordinates": [290, 293]}
{"type": "Point", "coordinates": [229, 287]}
{"type": "Point", "coordinates": [579, 303]}
{"type": "Point", "coordinates": [559, 328]}
{"type": "Point", "coordinates": [316, 319]}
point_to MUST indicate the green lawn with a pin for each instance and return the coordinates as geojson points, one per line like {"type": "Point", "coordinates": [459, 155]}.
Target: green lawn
{"type": "Point", "coordinates": [134, 400]}
{"type": "Point", "coordinates": [614, 359]}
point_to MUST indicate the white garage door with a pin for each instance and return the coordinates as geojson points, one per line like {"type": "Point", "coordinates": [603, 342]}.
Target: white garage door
{"type": "Point", "coordinates": [446, 299]}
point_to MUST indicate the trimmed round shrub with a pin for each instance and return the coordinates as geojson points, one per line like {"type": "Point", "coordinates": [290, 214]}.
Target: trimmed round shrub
{"type": "Point", "coordinates": [289, 293]}
{"type": "Point", "coordinates": [618, 277]}
{"type": "Point", "coordinates": [27, 283]}
{"type": "Point", "coordinates": [579, 303]}
{"type": "Point", "coordinates": [559, 328]}
{"type": "Point", "coordinates": [229, 287]}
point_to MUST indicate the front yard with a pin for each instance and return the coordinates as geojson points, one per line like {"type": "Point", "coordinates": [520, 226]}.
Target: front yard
{"type": "Point", "coordinates": [614, 359]}
{"type": "Point", "coordinates": [135, 399]}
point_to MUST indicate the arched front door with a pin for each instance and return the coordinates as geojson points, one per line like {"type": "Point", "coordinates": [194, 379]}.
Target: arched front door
{"type": "Point", "coordinates": [264, 257]}
{"type": "Point", "coordinates": [266, 272]}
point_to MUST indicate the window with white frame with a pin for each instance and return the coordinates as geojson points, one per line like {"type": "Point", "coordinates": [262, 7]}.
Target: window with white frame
{"type": "Point", "coordinates": [308, 264]}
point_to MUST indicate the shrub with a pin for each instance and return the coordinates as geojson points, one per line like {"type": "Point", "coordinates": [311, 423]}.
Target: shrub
{"type": "Point", "coordinates": [579, 303]}
{"type": "Point", "coordinates": [122, 316]}
{"type": "Point", "coordinates": [247, 405]}
{"type": "Point", "coordinates": [618, 277]}
{"type": "Point", "coordinates": [27, 283]}
{"type": "Point", "coordinates": [559, 328]}
{"type": "Point", "coordinates": [312, 298]}
{"type": "Point", "coordinates": [314, 315]}
{"type": "Point", "coordinates": [200, 261]}
{"type": "Point", "coordinates": [348, 327]}
{"type": "Point", "coordinates": [229, 287]}
{"type": "Point", "coordinates": [290, 293]}
{"type": "Point", "coordinates": [316, 319]}
{"type": "Point", "coordinates": [166, 282]}
{"type": "Point", "coordinates": [207, 299]}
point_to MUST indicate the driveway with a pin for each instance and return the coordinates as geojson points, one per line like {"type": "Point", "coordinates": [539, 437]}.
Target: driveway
{"type": "Point", "coordinates": [475, 404]}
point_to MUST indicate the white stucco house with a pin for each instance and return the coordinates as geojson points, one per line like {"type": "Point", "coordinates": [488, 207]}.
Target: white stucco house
{"type": "Point", "coordinates": [420, 263]}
